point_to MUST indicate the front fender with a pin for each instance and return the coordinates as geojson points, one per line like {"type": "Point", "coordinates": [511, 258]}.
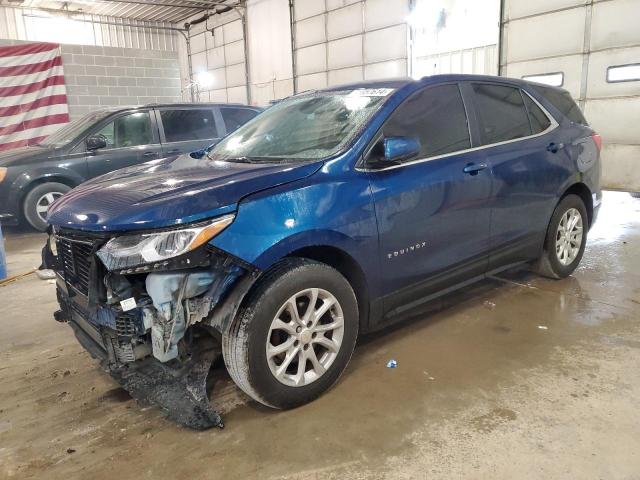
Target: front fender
{"type": "Point", "coordinates": [23, 182]}
{"type": "Point", "coordinates": [322, 210]}
{"type": "Point", "coordinates": [309, 238]}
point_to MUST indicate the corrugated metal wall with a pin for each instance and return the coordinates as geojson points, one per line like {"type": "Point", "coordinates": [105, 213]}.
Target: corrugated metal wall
{"type": "Point", "coordinates": [340, 41]}
{"type": "Point", "coordinates": [581, 40]}
{"type": "Point", "coordinates": [478, 60]}
{"type": "Point", "coordinates": [35, 25]}
{"type": "Point", "coordinates": [217, 47]}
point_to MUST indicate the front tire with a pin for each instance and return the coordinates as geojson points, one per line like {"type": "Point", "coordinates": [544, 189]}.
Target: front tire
{"type": "Point", "coordinates": [566, 239]}
{"type": "Point", "coordinates": [38, 200]}
{"type": "Point", "coordinates": [294, 335]}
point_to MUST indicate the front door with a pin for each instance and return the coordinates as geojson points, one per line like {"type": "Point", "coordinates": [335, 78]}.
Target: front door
{"type": "Point", "coordinates": [433, 210]}
{"type": "Point", "coordinates": [131, 139]}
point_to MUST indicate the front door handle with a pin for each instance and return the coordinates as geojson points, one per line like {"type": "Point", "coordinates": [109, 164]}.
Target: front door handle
{"type": "Point", "coordinates": [175, 150]}
{"type": "Point", "coordinates": [554, 147]}
{"type": "Point", "coordinates": [474, 168]}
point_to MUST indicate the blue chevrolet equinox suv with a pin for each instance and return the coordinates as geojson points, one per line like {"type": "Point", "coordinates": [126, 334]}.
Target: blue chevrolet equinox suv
{"type": "Point", "coordinates": [332, 213]}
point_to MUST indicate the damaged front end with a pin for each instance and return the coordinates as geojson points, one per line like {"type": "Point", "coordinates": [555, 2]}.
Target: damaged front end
{"type": "Point", "coordinates": [152, 308]}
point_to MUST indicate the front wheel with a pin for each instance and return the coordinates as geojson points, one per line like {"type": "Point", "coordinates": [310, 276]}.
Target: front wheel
{"type": "Point", "coordinates": [39, 199]}
{"type": "Point", "coordinates": [566, 239]}
{"type": "Point", "coordinates": [295, 334]}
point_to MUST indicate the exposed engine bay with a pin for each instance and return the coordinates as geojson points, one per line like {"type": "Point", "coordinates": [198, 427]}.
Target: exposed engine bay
{"type": "Point", "coordinates": [156, 327]}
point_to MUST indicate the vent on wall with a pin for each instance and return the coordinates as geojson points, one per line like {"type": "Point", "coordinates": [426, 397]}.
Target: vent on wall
{"type": "Point", "coordinates": [623, 73]}
{"type": "Point", "coordinates": [555, 79]}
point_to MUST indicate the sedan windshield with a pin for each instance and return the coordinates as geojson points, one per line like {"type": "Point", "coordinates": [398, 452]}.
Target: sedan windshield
{"type": "Point", "coordinates": [307, 127]}
{"type": "Point", "coordinates": [72, 130]}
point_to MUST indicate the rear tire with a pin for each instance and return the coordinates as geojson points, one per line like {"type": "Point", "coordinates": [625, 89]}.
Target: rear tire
{"type": "Point", "coordinates": [566, 239]}
{"type": "Point", "coordinates": [38, 200]}
{"type": "Point", "coordinates": [323, 337]}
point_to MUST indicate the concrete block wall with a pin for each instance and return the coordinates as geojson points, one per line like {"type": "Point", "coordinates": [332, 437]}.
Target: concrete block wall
{"type": "Point", "coordinates": [99, 77]}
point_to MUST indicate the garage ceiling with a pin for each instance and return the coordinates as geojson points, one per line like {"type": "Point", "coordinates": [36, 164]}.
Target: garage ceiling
{"type": "Point", "coordinates": [147, 10]}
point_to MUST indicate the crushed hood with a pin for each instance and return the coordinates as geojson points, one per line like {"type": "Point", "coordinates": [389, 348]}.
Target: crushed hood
{"type": "Point", "coordinates": [168, 192]}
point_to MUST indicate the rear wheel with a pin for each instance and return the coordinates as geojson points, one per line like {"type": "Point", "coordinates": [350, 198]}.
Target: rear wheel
{"type": "Point", "coordinates": [39, 199]}
{"type": "Point", "coordinates": [295, 335]}
{"type": "Point", "coordinates": [566, 239]}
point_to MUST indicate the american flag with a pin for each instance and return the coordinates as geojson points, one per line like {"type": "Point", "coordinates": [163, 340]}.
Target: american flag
{"type": "Point", "coordinates": [33, 97]}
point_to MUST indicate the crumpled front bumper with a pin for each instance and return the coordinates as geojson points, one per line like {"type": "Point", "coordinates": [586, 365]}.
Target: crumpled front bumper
{"type": "Point", "coordinates": [179, 386]}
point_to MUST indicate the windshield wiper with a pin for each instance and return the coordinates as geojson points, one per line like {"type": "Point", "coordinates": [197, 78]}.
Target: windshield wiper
{"type": "Point", "coordinates": [250, 159]}
{"type": "Point", "coordinates": [238, 160]}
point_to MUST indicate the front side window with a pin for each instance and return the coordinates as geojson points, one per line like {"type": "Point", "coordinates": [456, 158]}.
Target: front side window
{"type": "Point", "coordinates": [183, 125]}
{"type": "Point", "coordinates": [235, 117]}
{"type": "Point", "coordinates": [502, 113]}
{"type": "Point", "coordinates": [304, 127]}
{"type": "Point", "coordinates": [436, 117]}
{"type": "Point", "coordinates": [128, 131]}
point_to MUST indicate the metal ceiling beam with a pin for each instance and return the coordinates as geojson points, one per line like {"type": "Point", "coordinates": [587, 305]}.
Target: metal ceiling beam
{"type": "Point", "coordinates": [189, 5]}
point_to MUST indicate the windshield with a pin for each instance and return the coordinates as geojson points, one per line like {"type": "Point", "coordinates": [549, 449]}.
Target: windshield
{"type": "Point", "coordinates": [71, 130]}
{"type": "Point", "coordinates": [308, 127]}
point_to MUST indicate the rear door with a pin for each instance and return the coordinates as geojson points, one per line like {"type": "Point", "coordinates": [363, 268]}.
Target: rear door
{"type": "Point", "coordinates": [186, 129]}
{"type": "Point", "coordinates": [433, 210]}
{"type": "Point", "coordinates": [131, 137]}
{"type": "Point", "coordinates": [528, 164]}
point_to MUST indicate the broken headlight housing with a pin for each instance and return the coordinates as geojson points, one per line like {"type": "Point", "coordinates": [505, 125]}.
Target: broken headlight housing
{"type": "Point", "coordinates": [128, 251]}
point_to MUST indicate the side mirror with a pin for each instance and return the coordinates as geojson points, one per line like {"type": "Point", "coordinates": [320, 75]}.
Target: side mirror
{"type": "Point", "coordinates": [397, 149]}
{"type": "Point", "coordinates": [203, 151]}
{"type": "Point", "coordinates": [96, 142]}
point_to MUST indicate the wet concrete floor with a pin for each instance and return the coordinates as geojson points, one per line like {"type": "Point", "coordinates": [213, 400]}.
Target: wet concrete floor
{"type": "Point", "coordinates": [516, 377]}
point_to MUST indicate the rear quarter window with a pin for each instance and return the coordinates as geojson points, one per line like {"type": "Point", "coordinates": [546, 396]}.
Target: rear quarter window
{"type": "Point", "coordinates": [234, 118]}
{"type": "Point", "coordinates": [561, 99]}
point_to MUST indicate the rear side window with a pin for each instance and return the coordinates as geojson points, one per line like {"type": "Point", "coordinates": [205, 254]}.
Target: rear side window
{"type": "Point", "coordinates": [539, 121]}
{"type": "Point", "coordinates": [502, 113]}
{"type": "Point", "coordinates": [182, 125]}
{"type": "Point", "coordinates": [562, 100]}
{"type": "Point", "coordinates": [236, 117]}
{"type": "Point", "coordinates": [436, 117]}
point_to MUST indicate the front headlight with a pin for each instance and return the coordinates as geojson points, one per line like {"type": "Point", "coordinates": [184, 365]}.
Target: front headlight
{"type": "Point", "coordinates": [134, 250]}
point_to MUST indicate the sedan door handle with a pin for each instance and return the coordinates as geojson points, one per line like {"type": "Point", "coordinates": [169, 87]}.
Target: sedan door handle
{"type": "Point", "coordinates": [175, 150]}
{"type": "Point", "coordinates": [474, 168]}
{"type": "Point", "coordinates": [554, 147]}
{"type": "Point", "coordinates": [149, 154]}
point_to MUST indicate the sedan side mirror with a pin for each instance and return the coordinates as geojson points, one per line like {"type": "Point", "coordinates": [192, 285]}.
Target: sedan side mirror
{"type": "Point", "coordinates": [95, 142]}
{"type": "Point", "coordinates": [397, 149]}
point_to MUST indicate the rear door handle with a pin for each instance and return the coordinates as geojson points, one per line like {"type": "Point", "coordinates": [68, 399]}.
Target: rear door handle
{"type": "Point", "coordinates": [149, 154]}
{"type": "Point", "coordinates": [474, 168]}
{"type": "Point", "coordinates": [554, 147]}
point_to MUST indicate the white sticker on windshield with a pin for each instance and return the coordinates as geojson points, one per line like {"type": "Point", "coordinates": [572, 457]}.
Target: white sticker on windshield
{"type": "Point", "coordinates": [373, 92]}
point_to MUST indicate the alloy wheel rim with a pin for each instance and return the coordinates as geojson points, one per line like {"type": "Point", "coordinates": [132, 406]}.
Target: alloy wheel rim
{"type": "Point", "coordinates": [305, 337]}
{"type": "Point", "coordinates": [44, 202]}
{"type": "Point", "coordinates": [569, 236]}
